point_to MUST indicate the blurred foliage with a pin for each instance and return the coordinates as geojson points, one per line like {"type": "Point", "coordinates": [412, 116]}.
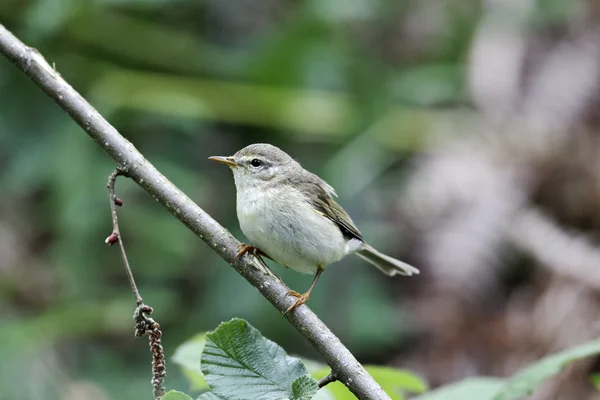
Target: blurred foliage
{"type": "Point", "coordinates": [187, 356]}
{"type": "Point", "coordinates": [352, 89]}
{"type": "Point", "coordinates": [525, 381]}
{"type": "Point", "coordinates": [520, 385]}
{"type": "Point", "coordinates": [470, 388]}
{"type": "Point", "coordinates": [176, 395]}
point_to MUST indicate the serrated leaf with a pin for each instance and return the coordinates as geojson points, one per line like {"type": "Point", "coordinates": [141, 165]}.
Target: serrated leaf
{"type": "Point", "coordinates": [529, 378]}
{"type": "Point", "coordinates": [304, 388]}
{"type": "Point", "coordinates": [188, 356]}
{"type": "Point", "coordinates": [467, 389]}
{"type": "Point", "coordinates": [175, 395]}
{"type": "Point", "coordinates": [239, 363]}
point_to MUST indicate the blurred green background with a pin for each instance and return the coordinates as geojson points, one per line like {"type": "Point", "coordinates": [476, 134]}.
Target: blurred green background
{"type": "Point", "coordinates": [362, 93]}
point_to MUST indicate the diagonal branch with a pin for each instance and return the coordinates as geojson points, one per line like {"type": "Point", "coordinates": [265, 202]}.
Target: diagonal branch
{"type": "Point", "coordinates": [132, 164]}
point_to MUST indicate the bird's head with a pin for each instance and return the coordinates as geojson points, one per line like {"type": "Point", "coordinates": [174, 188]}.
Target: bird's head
{"type": "Point", "coordinates": [257, 163]}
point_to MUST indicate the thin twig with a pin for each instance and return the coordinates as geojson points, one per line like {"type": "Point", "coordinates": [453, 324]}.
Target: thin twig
{"type": "Point", "coordinates": [144, 324]}
{"type": "Point", "coordinates": [132, 163]}
{"type": "Point", "coordinates": [115, 236]}
{"type": "Point", "coordinates": [326, 380]}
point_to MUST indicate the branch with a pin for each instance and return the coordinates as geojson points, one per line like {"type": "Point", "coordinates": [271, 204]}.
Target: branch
{"type": "Point", "coordinates": [133, 165]}
{"type": "Point", "coordinates": [115, 236]}
{"type": "Point", "coordinates": [144, 324]}
{"type": "Point", "coordinates": [326, 380]}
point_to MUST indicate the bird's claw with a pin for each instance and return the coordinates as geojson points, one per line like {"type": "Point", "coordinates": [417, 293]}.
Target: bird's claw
{"type": "Point", "coordinates": [244, 248]}
{"type": "Point", "coordinates": [301, 299]}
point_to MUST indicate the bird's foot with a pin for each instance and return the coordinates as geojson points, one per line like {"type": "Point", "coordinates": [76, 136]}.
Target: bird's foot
{"type": "Point", "coordinates": [301, 299]}
{"type": "Point", "coordinates": [244, 248]}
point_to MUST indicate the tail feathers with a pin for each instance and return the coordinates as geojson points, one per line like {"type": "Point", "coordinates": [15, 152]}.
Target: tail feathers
{"type": "Point", "coordinates": [386, 264]}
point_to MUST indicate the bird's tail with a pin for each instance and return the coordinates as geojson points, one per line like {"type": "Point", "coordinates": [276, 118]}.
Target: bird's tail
{"type": "Point", "coordinates": [386, 264]}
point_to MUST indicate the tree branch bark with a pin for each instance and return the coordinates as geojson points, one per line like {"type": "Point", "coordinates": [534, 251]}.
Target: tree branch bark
{"type": "Point", "coordinates": [343, 364]}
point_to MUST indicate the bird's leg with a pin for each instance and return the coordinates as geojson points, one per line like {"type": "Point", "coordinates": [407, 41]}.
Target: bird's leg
{"type": "Point", "coordinates": [244, 248]}
{"type": "Point", "coordinates": [258, 253]}
{"type": "Point", "coordinates": [303, 298]}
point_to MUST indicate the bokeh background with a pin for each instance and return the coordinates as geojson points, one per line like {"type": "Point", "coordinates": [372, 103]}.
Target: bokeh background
{"type": "Point", "coordinates": [459, 134]}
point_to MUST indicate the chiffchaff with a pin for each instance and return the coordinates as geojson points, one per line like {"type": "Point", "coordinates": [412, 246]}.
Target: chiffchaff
{"type": "Point", "coordinates": [290, 216]}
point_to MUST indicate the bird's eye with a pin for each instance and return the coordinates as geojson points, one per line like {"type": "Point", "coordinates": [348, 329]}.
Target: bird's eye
{"type": "Point", "coordinates": [256, 162]}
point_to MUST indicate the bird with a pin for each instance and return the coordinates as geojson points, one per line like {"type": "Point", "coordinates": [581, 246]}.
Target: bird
{"type": "Point", "coordinates": [290, 216]}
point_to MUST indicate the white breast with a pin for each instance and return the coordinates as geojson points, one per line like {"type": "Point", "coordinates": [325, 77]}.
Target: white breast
{"type": "Point", "coordinates": [286, 227]}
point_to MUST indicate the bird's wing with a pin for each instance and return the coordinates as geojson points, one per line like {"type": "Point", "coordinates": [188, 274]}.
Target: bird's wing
{"type": "Point", "coordinates": [321, 197]}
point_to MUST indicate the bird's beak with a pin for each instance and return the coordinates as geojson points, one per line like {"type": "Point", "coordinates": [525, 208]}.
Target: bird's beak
{"type": "Point", "coordinates": [224, 160]}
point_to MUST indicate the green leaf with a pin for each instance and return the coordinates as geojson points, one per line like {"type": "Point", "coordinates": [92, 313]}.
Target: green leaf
{"type": "Point", "coordinates": [239, 363]}
{"type": "Point", "coordinates": [187, 356]}
{"type": "Point", "coordinates": [529, 378]}
{"type": "Point", "coordinates": [396, 380]}
{"type": "Point", "coordinates": [304, 388]}
{"type": "Point", "coordinates": [467, 389]}
{"type": "Point", "coordinates": [175, 395]}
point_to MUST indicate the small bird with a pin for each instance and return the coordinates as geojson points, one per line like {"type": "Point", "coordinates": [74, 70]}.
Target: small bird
{"type": "Point", "coordinates": [290, 216]}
